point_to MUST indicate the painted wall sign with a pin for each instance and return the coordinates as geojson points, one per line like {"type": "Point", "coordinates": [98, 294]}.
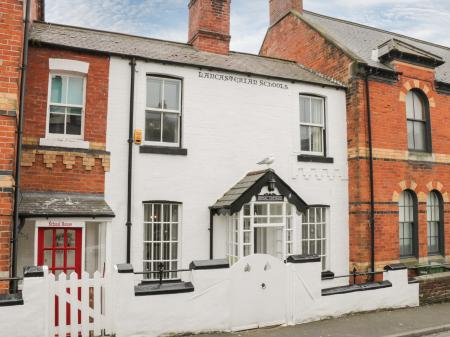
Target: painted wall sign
{"type": "Point", "coordinates": [270, 197]}
{"type": "Point", "coordinates": [59, 223]}
{"type": "Point", "coordinates": [242, 80]}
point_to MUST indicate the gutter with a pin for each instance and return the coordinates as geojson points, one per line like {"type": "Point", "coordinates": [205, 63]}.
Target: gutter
{"type": "Point", "coordinates": [16, 220]}
{"type": "Point", "coordinates": [130, 158]}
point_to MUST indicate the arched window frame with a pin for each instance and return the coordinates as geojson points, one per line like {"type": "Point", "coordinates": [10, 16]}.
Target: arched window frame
{"type": "Point", "coordinates": [426, 114]}
{"type": "Point", "coordinates": [414, 222]}
{"type": "Point", "coordinates": [440, 221]}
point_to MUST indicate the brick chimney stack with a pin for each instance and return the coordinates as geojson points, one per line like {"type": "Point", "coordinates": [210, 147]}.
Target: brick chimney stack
{"type": "Point", "coordinates": [278, 8]}
{"type": "Point", "coordinates": [209, 25]}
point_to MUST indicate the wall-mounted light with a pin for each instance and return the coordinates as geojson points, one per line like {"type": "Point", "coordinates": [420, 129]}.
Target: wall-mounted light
{"type": "Point", "coordinates": [271, 184]}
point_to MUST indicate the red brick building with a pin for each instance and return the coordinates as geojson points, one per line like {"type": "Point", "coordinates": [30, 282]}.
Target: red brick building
{"type": "Point", "coordinates": [398, 140]}
{"type": "Point", "coordinates": [11, 51]}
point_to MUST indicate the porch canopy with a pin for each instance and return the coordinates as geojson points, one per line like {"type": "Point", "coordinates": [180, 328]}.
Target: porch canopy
{"type": "Point", "coordinates": [249, 186]}
{"type": "Point", "coordinates": [63, 205]}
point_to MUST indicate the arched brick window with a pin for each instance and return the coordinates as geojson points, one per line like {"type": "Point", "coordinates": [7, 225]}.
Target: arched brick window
{"type": "Point", "coordinates": [408, 224]}
{"type": "Point", "coordinates": [418, 120]}
{"type": "Point", "coordinates": [434, 223]}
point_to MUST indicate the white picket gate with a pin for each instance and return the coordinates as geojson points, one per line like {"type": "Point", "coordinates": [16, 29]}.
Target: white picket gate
{"type": "Point", "coordinates": [77, 305]}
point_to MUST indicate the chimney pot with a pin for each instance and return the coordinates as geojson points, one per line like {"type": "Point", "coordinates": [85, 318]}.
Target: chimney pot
{"type": "Point", "coordinates": [279, 8]}
{"type": "Point", "coordinates": [209, 25]}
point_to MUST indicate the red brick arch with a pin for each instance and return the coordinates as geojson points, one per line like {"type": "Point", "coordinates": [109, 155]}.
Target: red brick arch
{"type": "Point", "coordinates": [433, 185]}
{"type": "Point", "coordinates": [421, 85]}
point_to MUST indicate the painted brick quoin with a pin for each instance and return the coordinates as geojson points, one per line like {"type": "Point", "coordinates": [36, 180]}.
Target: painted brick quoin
{"type": "Point", "coordinates": [395, 168]}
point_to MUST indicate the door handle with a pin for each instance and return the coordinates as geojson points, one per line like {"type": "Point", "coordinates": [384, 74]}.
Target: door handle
{"type": "Point", "coordinates": [263, 286]}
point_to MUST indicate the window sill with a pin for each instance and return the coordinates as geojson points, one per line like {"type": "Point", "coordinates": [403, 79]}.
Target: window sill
{"type": "Point", "coordinates": [163, 289]}
{"type": "Point", "coordinates": [68, 143]}
{"type": "Point", "coordinates": [173, 151]}
{"type": "Point", "coordinates": [314, 159]}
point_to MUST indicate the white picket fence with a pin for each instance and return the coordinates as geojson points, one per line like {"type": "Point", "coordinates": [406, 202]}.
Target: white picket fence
{"type": "Point", "coordinates": [77, 305]}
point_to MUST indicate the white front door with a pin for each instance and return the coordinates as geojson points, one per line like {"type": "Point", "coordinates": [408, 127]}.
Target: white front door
{"type": "Point", "coordinates": [258, 292]}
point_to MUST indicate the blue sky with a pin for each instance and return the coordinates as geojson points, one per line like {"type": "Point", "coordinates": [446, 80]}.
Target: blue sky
{"type": "Point", "coordinates": [167, 19]}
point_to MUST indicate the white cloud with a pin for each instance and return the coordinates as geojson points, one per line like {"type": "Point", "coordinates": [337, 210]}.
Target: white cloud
{"type": "Point", "coordinates": [167, 19]}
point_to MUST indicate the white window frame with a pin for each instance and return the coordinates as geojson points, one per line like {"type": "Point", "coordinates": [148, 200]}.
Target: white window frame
{"type": "Point", "coordinates": [322, 126]}
{"type": "Point", "coordinates": [172, 276]}
{"type": "Point", "coordinates": [326, 265]}
{"type": "Point", "coordinates": [236, 230]}
{"type": "Point", "coordinates": [64, 136]}
{"type": "Point", "coordinates": [162, 111]}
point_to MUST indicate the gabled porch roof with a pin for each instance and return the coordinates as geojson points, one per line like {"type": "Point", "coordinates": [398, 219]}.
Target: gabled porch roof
{"type": "Point", "coordinates": [243, 191]}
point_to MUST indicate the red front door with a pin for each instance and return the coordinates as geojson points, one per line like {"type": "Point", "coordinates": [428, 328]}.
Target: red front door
{"type": "Point", "coordinates": [60, 249]}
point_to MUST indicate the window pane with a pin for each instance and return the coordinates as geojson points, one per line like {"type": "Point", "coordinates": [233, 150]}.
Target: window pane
{"type": "Point", "coordinates": [316, 139]}
{"type": "Point", "coordinates": [153, 126]}
{"type": "Point", "coordinates": [276, 209]}
{"type": "Point", "coordinates": [317, 110]}
{"type": "Point", "coordinates": [419, 135]}
{"type": "Point", "coordinates": [304, 135]}
{"type": "Point", "coordinates": [305, 110]}
{"type": "Point", "coordinates": [73, 124]}
{"type": "Point", "coordinates": [170, 133]}
{"type": "Point", "coordinates": [260, 209]}
{"type": "Point", "coordinates": [171, 95]}
{"type": "Point", "coordinates": [57, 93]}
{"type": "Point", "coordinates": [410, 135]}
{"type": "Point", "coordinates": [409, 105]}
{"type": "Point", "coordinates": [418, 107]}
{"type": "Point", "coordinates": [56, 123]}
{"type": "Point", "coordinates": [75, 94]}
{"type": "Point", "coordinates": [154, 92]}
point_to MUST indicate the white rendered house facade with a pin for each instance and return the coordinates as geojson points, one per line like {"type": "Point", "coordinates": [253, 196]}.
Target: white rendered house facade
{"type": "Point", "coordinates": [219, 124]}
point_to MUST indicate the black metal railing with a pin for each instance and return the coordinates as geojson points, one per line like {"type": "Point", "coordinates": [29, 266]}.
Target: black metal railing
{"type": "Point", "coordinates": [355, 273]}
{"type": "Point", "coordinates": [161, 271]}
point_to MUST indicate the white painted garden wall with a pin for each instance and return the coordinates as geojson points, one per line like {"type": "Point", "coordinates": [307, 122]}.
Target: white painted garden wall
{"type": "Point", "coordinates": [30, 319]}
{"type": "Point", "coordinates": [227, 128]}
{"type": "Point", "coordinates": [257, 291]}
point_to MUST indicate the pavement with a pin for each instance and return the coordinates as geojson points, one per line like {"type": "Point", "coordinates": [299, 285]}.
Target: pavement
{"type": "Point", "coordinates": [429, 321]}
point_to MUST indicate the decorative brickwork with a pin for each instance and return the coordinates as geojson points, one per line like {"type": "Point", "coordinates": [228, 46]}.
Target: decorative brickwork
{"type": "Point", "coordinates": [68, 158]}
{"type": "Point", "coordinates": [63, 169]}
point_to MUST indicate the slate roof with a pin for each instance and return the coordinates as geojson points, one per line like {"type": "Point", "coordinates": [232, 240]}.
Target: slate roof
{"type": "Point", "coordinates": [237, 190]}
{"type": "Point", "coordinates": [37, 204]}
{"type": "Point", "coordinates": [360, 40]}
{"type": "Point", "coordinates": [242, 192]}
{"type": "Point", "coordinates": [172, 52]}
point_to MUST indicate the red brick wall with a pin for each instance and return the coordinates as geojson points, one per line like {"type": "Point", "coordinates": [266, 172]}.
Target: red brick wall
{"type": "Point", "coordinates": [278, 8]}
{"type": "Point", "coordinates": [11, 37]}
{"type": "Point", "coordinates": [39, 173]}
{"type": "Point", "coordinates": [209, 25]}
{"type": "Point", "coordinates": [37, 92]}
{"type": "Point", "coordinates": [295, 40]}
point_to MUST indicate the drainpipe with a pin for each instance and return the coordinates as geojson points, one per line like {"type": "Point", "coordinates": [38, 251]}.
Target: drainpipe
{"type": "Point", "coordinates": [16, 220]}
{"type": "Point", "coordinates": [372, 198]}
{"type": "Point", "coordinates": [130, 158]}
{"type": "Point", "coordinates": [211, 234]}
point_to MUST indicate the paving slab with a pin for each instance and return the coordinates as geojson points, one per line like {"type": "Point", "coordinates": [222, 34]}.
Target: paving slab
{"type": "Point", "coordinates": [418, 321]}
